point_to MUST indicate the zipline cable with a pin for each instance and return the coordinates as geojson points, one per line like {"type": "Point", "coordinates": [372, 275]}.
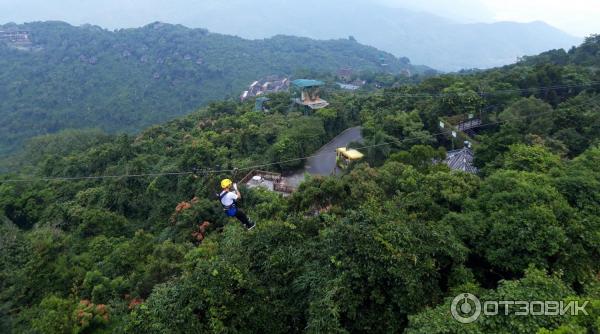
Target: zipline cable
{"type": "Point", "coordinates": [223, 171]}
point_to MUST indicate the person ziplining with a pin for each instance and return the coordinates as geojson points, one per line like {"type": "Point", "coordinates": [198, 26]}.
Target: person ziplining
{"type": "Point", "coordinates": [229, 198]}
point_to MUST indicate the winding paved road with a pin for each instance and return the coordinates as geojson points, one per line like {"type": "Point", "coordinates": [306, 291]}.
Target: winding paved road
{"type": "Point", "coordinates": [324, 161]}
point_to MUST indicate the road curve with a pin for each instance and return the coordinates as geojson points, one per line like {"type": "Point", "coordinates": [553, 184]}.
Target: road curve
{"type": "Point", "coordinates": [323, 162]}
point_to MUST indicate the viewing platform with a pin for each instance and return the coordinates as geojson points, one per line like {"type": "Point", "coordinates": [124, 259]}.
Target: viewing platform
{"type": "Point", "coordinates": [310, 94]}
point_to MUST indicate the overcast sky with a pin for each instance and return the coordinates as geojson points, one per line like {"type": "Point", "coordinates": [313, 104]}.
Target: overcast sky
{"type": "Point", "coordinates": [577, 17]}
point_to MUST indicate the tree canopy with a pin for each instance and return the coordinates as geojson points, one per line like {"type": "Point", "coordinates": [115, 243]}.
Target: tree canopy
{"type": "Point", "coordinates": [383, 247]}
{"type": "Point", "coordinates": [129, 79]}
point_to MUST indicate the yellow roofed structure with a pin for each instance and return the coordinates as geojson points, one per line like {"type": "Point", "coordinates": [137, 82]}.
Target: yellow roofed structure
{"type": "Point", "coordinates": [351, 154]}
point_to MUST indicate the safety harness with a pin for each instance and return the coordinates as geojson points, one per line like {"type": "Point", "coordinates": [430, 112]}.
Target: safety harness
{"type": "Point", "coordinates": [230, 210]}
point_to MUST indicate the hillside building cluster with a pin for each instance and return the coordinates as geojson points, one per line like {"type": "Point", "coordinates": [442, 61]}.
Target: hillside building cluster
{"type": "Point", "coordinates": [16, 38]}
{"type": "Point", "coordinates": [268, 85]}
{"type": "Point", "coordinates": [347, 80]}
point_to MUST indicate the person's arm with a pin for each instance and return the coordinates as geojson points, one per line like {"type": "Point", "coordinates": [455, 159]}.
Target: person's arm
{"type": "Point", "coordinates": [237, 192]}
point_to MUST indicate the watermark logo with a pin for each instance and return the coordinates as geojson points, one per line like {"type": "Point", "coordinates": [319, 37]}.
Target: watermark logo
{"type": "Point", "coordinates": [467, 308]}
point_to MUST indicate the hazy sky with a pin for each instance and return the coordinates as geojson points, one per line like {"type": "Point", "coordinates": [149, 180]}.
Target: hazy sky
{"type": "Point", "coordinates": [578, 17]}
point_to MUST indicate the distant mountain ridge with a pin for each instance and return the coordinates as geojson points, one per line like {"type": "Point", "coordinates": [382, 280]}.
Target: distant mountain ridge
{"type": "Point", "coordinates": [125, 80]}
{"type": "Point", "coordinates": [424, 38]}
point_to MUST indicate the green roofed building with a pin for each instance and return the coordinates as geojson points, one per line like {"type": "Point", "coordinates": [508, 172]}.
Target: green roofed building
{"type": "Point", "coordinates": [309, 93]}
{"type": "Point", "coordinates": [307, 83]}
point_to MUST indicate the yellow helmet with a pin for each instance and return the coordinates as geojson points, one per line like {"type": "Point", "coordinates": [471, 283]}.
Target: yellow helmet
{"type": "Point", "coordinates": [226, 183]}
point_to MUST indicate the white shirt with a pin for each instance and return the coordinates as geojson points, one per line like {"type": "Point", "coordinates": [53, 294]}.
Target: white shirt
{"type": "Point", "coordinates": [229, 198]}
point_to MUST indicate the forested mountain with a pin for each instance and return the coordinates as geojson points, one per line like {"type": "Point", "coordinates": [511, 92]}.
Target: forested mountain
{"type": "Point", "coordinates": [87, 77]}
{"type": "Point", "coordinates": [448, 43]}
{"type": "Point", "coordinates": [382, 248]}
{"type": "Point", "coordinates": [442, 43]}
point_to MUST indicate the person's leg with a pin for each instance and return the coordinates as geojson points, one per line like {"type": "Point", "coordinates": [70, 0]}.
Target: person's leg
{"type": "Point", "coordinates": [241, 216]}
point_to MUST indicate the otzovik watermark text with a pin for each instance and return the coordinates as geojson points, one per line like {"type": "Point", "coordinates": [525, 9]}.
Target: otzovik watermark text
{"type": "Point", "coordinates": [467, 308]}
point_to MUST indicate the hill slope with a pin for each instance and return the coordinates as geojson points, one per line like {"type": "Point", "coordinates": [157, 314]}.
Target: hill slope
{"type": "Point", "coordinates": [383, 247]}
{"type": "Point", "coordinates": [425, 38]}
{"type": "Point", "coordinates": [80, 77]}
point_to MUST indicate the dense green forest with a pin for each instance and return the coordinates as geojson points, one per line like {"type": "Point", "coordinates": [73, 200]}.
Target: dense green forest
{"type": "Point", "coordinates": [384, 247]}
{"type": "Point", "coordinates": [126, 80]}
